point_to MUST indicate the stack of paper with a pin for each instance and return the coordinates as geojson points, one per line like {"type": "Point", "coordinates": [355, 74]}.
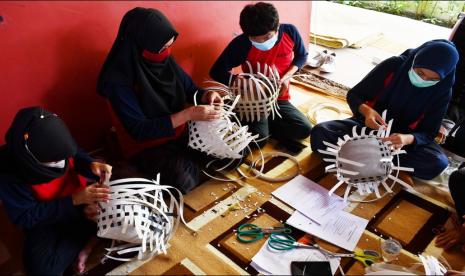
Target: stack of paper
{"type": "Point", "coordinates": [342, 229]}
{"type": "Point", "coordinates": [273, 262]}
{"type": "Point", "coordinates": [310, 199]}
{"type": "Point", "coordinates": [319, 214]}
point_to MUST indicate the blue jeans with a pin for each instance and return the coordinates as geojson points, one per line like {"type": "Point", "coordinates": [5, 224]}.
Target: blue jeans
{"type": "Point", "coordinates": [428, 161]}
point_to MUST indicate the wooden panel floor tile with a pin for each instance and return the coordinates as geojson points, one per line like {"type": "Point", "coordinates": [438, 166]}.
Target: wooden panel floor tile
{"type": "Point", "coordinates": [399, 224]}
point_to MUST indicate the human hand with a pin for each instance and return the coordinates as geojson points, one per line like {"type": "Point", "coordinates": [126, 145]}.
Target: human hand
{"type": "Point", "coordinates": [203, 113]}
{"type": "Point", "coordinates": [91, 194]}
{"type": "Point", "coordinates": [211, 97]}
{"type": "Point", "coordinates": [101, 170]}
{"type": "Point", "coordinates": [372, 118]}
{"type": "Point", "coordinates": [91, 212]}
{"type": "Point", "coordinates": [284, 85]}
{"type": "Point", "coordinates": [454, 273]}
{"type": "Point", "coordinates": [441, 137]}
{"type": "Point", "coordinates": [399, 140]}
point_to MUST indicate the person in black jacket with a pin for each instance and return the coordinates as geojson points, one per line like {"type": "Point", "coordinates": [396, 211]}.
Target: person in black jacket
{"type": "Point", "coordinates": [149, 93]}
{"type": "Point", "coordinates": [43, 186]}
{"type": "Point", "coordinates": [456, 235]}
{"type": "Point", "coordinates": [415, 89]}
{"type": "Point", "coordinates": [455, 140]}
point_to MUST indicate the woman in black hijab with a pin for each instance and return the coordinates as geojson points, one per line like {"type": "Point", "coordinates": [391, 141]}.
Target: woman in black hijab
{"type": "Point", "coordinates": [43, 186]}
{"type": "Point", "coordinates": [148, 91]}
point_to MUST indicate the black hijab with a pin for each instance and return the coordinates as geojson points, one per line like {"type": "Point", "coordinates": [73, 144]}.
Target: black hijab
{"type": "Point", "coordinates": [158, 88]}
{"type": "Point", "coordinates": [48, 139]}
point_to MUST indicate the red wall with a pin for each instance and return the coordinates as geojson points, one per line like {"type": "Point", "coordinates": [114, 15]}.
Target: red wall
{"type": "Point", "coordinates": [51, 52]}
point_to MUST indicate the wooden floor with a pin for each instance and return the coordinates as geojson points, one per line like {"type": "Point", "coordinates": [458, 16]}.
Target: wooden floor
{"type": "Point", "coordinates": [407, 217]}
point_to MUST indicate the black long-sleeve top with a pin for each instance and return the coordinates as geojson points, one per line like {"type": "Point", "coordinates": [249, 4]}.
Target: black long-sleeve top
{"type": "Point", "coordinates": [24, 209]}
{"type": "Point", "coordinates": [373, 84]}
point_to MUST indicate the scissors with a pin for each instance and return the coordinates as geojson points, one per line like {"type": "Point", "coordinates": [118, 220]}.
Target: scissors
{"type": "Point", "coordinates": [280, 241]}
{"type": "Point", "coordinates": [248, 232]}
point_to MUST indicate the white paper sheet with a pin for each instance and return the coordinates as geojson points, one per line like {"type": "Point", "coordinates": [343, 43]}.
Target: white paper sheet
{"type": "Point", "coordinates": [275, 262]}
{"type": "Point", "coordinates": [342, 229]}
{"type": "Point", "coordinates": [309, 198]}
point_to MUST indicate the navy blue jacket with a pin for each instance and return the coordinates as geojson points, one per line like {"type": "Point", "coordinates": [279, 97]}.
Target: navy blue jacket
{"type": "Point", "coordinates": [372, 86]}
{"type": "Point", "coordinates": [126, 106]}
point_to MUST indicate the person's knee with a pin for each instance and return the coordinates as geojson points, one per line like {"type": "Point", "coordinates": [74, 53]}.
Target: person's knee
{"type": "Point", "coordinates": [317, 136]}
{"type": "Point", "coordinates": [435, 166]}
{"type": "Point", "coordinates": [185, 175]}
{"type": "Point", "coordinates": [302, 131]}
{"type": "Point", "coordinates": [263, 133]}
{"type": "Point", "coordinates": [442, 163]}
{"type": "Point", "coordinates": [457, 180]}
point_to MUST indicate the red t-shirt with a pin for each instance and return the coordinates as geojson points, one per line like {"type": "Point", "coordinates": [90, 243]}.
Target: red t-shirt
{"type": "Point", "coordinates": [66, 185]}
{"type": "Point", "coordinates": [281, 56]}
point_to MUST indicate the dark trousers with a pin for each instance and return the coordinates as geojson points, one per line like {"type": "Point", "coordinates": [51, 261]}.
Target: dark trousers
{"type": "Point", "coordinates": [179, 166]}
{"type": "Point", "coordinates": [51, 249]}
{"type": "Point", "coordinates": [457, 191]}
{"type": "Point", "coordinates": [428, 161]}
{"type": "Point", "coordinates": [176, 167]}
{"type": "Point", "coordinates": [293, 125]}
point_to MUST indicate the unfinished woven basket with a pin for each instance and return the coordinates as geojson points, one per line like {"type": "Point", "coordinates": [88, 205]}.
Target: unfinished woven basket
{"type": "Point", "coordinates": [221, 138]}
{"type": "Point", "coordinates": [143, 214]}
{"type": "Point", "coordinates": [374, 161]}
{"type": "Point", "coordinates": [258, 91]}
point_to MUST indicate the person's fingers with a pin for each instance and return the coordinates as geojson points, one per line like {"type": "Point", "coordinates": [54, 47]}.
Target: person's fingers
{"type": "Point", "coordinates": [442, 243]}
{"type": "Point", "coordinates": [450, 244]}
{"type": "Point", "coordinates": [213, 112]}
{"type": "Point", "coordinates": [101, 200]}
{"type": "Point", "coordinates": [446, 237]}
{"type": "Point", "coordinates": [218, 99]}
{"type": "Point", "coordinates": [91, 213]}
{"type": "Point", "coordinates": [107, 168]}
{"type": "Point", "coordinates": [387, 139]}
{"type": "Point", "coordinates": [380, 119]}
{"type": "Point", "coordinates": [442, 237]}
{"type": "Point", "coordinates": [100, 195]}
{"type": "Point", "coordinates": [453, 273]}
{"type": "Point", "coordinates": [215, 98]}
{"type": "Point", "coordinates": [212, 117]}
{"type": "Point", "coordinates": [100, 190]}
{"type": "Point", "coordinates": [93, 207]}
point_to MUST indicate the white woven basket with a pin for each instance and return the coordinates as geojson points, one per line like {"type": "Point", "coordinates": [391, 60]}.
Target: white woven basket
{"type": "Point", "coordinates": [364, 161]}
{"type": "Point", "coordinates": [258, 92]}
{"type": "Point", "coordinates": [221, 138]}
{"type": "Point", "coordinates": [143, 214]}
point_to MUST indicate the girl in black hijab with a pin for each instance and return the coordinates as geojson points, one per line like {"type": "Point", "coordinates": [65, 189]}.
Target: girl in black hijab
{"type": "Point", "coordinates": [148, 92]}
{"type": "Point", "coordinates": [43, 185]}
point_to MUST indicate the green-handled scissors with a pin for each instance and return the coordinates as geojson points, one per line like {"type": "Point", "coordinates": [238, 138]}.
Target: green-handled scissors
{"type": "Point", "coordinates": [280, 241]}
{"type": "Point", "coordinates": [248, 232]}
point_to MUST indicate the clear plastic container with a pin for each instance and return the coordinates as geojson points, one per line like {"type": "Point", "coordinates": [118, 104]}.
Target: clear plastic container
{"type": "Point", "coordinates": [391, 249]}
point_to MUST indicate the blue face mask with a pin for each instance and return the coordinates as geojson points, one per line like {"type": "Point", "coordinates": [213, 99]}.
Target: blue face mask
{"type": "Point", "coordinates": [417, 81]}
{"type": "Point", "coordinates": [265, 46]}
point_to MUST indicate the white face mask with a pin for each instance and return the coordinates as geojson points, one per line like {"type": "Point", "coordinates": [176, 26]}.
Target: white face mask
{"type": "Point", "coordinates": [59, 165]}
